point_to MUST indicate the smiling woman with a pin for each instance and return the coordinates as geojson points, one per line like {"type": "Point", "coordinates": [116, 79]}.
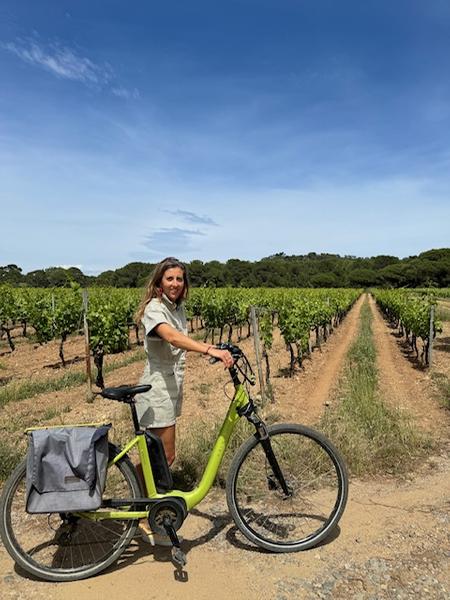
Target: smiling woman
{"type": "Point", "coordinates": [162, 314]}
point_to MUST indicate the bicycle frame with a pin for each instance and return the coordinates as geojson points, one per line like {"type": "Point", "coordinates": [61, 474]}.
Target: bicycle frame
{"type": "Point", "coordinates": [277, 504]}
{"type": "Point", "coordinates": [193, 497]}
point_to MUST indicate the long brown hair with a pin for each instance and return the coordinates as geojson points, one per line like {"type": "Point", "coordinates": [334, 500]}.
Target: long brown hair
{"type": "Point", "coordinates": [153, 287]}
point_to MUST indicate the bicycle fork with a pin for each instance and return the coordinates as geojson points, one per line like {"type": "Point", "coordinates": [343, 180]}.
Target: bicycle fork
{"type": "Point", "coordinates": [262, 434]}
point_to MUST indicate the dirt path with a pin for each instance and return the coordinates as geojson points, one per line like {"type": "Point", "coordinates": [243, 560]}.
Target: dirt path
{"type": "Point", "coordinates": [402, 382]}
{"type": "Point", "coordinates": [441, 351]}
{"type": "Point", "coordinates": [315, 384]}
{"type": "Point", "coordinates": [392, 542]}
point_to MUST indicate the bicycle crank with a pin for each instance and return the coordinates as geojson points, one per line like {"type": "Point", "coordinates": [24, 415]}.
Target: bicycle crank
{"type": "Point", "coordinates": [166, 517]}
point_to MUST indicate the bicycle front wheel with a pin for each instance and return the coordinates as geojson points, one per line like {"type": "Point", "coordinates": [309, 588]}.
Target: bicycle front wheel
{"type": "Point", "coordinates": [63, 546]}
{"type": "Point", "coordinates": [315, 494]}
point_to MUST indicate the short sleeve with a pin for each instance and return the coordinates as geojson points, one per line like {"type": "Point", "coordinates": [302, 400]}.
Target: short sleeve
{"type": "Point", "coordinates": [153, 316]}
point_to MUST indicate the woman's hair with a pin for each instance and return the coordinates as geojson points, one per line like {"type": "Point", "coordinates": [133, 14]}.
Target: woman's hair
{"type": "Point", "coordinates": [153, 287]}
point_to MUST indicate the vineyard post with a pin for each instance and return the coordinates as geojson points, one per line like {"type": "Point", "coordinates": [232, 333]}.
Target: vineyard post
{"type": "Point", "coordinates": [87, 347]}
{"type": "Point", "coordinates": [53, 314]}
{"type": "Point", "coordinates": [431, 335]}
{"type": "Point", "coordinates": [257, 344]}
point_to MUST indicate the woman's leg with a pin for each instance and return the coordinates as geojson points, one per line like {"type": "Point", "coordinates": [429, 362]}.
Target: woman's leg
{"type": "Point", "coordinates": [167, 435]}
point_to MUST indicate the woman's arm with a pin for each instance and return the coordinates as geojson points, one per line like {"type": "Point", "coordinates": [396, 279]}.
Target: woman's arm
{"type": "Point", "coordinates": [179, 340]}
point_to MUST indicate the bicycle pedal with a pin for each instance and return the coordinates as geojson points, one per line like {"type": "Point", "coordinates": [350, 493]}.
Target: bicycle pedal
{"type": "Point", "coordinates": [178, 556]}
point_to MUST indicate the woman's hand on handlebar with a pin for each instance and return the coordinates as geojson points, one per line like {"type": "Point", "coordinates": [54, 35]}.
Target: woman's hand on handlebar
{"type": "Point", "coordinates": [222, 355]}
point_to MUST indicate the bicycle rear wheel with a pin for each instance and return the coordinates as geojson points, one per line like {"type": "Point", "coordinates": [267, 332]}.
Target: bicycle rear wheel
{"type": "Point", "coordinates": [317, 485]}
{"type": "Point", "coordinates": [64, 547]}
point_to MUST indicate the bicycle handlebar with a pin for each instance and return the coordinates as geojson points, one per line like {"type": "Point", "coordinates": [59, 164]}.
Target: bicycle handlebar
{"type": "Point", "coordinates": [237, 354]}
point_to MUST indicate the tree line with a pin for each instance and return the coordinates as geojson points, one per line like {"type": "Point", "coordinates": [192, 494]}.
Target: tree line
{"type": "Point", "coordinates": [430, 268]}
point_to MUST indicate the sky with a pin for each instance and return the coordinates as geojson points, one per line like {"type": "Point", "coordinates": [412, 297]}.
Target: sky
{"type": "Point", "coordinates": [216, 130]}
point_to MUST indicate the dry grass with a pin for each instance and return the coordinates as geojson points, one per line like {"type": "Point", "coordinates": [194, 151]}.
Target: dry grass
{"type": "Point", "coordinates": [373, 437]}
{"type": "Point", "coordinates": [443, 311]}
{"type": "Point", "coordinates": [194, 447]}
{"type": "Point", "coordinates": [443, 388]}
{"type": "Point", "coordinates": [30, 388]}
{"type": "Point", "coordinates": [10, 456]}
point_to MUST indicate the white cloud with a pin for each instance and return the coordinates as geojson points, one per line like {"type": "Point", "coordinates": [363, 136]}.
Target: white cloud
{"type": "Point", "coordinates": [61, 61]}
{"type": "Point", "coordinates": [66, 63]}
{"type": "Point", "coordinates": [167, 239]}
{"type": "Point", "coordinates": [71, 267]}
{"type": "Point", "coordinates": [191, 217]}
{"type": "Point", "coordinates": [126, 94]}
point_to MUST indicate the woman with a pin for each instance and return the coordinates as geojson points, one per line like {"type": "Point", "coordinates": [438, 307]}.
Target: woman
{"type": "Point", "coordinates": [163, 316]}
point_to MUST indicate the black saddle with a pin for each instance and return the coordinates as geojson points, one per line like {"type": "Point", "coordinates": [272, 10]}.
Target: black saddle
{"type": "Point", "coordinates": [124, 393]}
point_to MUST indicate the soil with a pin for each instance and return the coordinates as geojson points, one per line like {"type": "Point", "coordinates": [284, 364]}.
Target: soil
{"type": "Point", "coordinates": [392, 541]}
{"type": "Point", "coordinates": [32, 360]}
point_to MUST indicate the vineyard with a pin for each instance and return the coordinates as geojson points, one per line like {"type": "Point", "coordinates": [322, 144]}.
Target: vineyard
{"type": "Point", "coordinates": [412, 311]}
{"type": "Point", "coordinates": [319, 370]}
{"type": "Point", "coordinates": [215, 314]}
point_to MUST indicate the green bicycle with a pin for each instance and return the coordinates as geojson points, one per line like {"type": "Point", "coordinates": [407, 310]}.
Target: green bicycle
{"type": "Point", "coordinates": [286, 490]}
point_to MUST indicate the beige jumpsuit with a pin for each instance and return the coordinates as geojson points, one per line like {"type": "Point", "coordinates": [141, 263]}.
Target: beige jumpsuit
{"type": "Point", "coordinates": [164, 369]}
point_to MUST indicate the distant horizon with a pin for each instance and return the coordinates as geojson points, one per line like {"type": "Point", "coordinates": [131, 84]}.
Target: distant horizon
{"type": "Point", "coordinates": [224, 261]}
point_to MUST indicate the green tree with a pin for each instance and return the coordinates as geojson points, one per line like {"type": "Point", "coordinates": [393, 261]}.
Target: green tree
{"type": "Point", "coordinates": [214, 273]}
{"type": "Point", "coordinates": [381, 261]}
{"type": "Point", "coordinates": [37, 278]}
{"type": "Point", "coordinates": [196, 270]}
{"type": "Point", "coordinates": [106, 279]}
{"type": "Point", "coordinates": [363, 278]}
{"type": "Point", "coordinates": [324, 280]}
{"type": "Point", "coordinates": [238, 272]}
{"type": "Point", "coordinates": [394, 275]}
{"type": "Point", "coordinates": [58, 277]}
{"type": "Point", "coordinates": [133, 274]}
{"type": "Point", "coordinates": [11, 274]}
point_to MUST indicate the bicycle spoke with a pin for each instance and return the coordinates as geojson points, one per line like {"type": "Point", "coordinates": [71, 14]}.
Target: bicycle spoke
{"type": "Point", "coordinates": [264, 512]}
{"type": "Point", "coordinates": [64, 549]}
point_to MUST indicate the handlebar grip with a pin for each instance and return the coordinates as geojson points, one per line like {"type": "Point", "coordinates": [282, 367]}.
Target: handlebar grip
{"type": "Point", "coordinates": [213, 360]}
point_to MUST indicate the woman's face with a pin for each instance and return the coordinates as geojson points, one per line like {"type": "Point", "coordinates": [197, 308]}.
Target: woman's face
{"type": "Point", "coordinates": [172, 283]}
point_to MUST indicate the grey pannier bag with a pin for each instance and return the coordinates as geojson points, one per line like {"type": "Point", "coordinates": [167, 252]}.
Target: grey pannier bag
{"type": "Point", "coordinates": [66, 468]}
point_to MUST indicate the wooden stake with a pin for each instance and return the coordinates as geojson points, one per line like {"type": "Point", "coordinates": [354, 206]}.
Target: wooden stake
{"type": "Point", "coordinates": [53, 314]}
{"type": "Point", "coordinates": [431, 335]}
{"type": "Point", "coordinates": [257, 344]}
{"type": "Point", "coordinates": [87, 347]}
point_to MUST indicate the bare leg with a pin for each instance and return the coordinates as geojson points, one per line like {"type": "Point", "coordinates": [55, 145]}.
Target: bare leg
{"type": "Point", "coordinates": [167, 435]}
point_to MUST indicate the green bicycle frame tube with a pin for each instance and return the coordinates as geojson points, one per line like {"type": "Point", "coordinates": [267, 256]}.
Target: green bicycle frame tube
{"type": "Point", "coordinates": [193, 497]}
{"type": "Point", "coordinates": [196, 495]}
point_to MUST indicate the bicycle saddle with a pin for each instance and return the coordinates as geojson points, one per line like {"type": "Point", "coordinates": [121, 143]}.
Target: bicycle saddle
{"type": "Point", "coordinates": [124, 392]}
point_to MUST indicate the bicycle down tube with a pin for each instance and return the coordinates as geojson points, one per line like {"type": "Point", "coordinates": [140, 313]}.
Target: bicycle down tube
{"type": "Point", "coordinates": [193, 497]}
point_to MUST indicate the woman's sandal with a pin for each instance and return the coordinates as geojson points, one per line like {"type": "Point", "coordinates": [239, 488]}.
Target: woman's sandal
{"type": "Point", "coordinates": [155, 539]}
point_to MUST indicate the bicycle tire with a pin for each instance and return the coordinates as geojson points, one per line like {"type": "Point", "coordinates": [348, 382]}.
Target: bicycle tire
{"type": "Point", "coordinates": [316, 477]}
{"type": "Point", "coordinates": [49, 547]}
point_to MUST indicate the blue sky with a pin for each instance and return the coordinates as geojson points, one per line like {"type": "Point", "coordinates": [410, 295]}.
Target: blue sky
{"type": "Point", "coordinates": [216, 130]}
